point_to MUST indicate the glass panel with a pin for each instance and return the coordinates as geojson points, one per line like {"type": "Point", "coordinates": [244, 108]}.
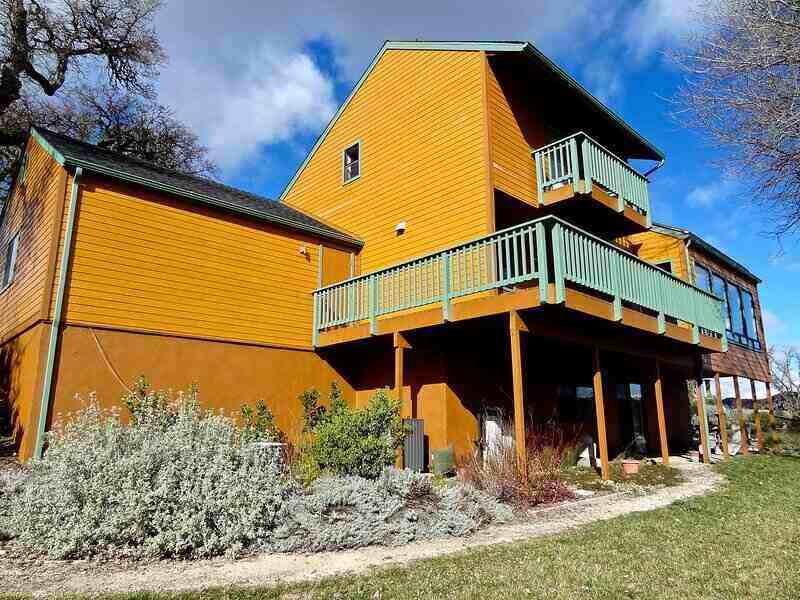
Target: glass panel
{"type": "Point", "coordinates": [737, 322]}
{"type": "Point", "coordinates": [702, 277]}
{"type": "Point", "coordinates": [749, 315]}
{"type": "Point", "coordinates": [718, 289]}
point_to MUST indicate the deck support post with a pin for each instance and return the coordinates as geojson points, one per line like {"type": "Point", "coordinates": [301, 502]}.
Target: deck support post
{"type": "Point", "coordinates": [723, 419]}
{"type": "Point", "coordinates": [516, 327]}
{"type": "Point", "coordinates": [600, 413]}
{"type": "Point", "coordinates": [757, 416]}
{"type": "Point", "coordinates": [701, 419]}
{"type": "Point", "coordinates": [662, 421]}
{"type": "Point", "coordinates": [744, 442]}
{"type": "Point", "coordinates": [400, 346]}
{"type": "Point", "coordinates": [771, 415]}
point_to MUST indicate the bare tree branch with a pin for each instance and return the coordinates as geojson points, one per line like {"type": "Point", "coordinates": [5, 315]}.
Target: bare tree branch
{"type": "Point", "coordinates": [85, 68]}
{"type": "Point", "coordinates": [742, 89]}
{"type": "Point", "coordinates": [785, 366]}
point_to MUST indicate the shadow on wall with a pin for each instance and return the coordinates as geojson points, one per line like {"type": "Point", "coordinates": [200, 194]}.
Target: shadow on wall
{"type": "Point", "coordinates": [11, 422]}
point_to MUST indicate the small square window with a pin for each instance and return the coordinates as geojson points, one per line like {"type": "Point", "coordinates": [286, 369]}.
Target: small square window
{"type": "Point", "coordinates": [665, 266]}
{"type": "Point", "coordinates": [351, 162]}
{"type": "Point", "coordinates": [10, 261]}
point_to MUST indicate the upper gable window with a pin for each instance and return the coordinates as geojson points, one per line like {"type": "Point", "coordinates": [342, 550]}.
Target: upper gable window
{"type": "Point", "coordinates": [351, 162]}
{"type": "Point", "coordinates": [10, 261]}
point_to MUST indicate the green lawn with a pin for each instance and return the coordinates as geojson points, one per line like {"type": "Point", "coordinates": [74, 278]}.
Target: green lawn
{"type": "Point", "coordinates": [742, 542]}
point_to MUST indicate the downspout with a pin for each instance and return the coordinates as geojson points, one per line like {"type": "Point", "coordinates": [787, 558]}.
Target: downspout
{"type": "Point", "coordinates": [52, 349]}
{"type": "Point", "coordinates": [655, 168]}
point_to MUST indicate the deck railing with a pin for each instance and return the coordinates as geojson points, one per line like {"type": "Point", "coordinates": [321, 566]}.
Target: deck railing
{"type": "Point", "coordinates": [510, 258]}
{"type": "Point", "coordinates": [581, 161]}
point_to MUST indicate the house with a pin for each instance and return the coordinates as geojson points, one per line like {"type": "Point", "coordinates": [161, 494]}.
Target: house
{"type": "Point", "coordinates": [457, 234]}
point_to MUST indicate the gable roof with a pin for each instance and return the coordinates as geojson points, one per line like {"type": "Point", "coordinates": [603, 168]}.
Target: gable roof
{"type": "Point", "coordinates": [71, 152]}
{"type": "Point", "coordinates": [647, 149]}
{"type": "Point", "coordinates": [685, 234]}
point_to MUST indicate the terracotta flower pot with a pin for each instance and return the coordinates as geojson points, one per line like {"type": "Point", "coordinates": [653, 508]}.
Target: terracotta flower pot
{"type": "Point", "coordinates": [630, 466]}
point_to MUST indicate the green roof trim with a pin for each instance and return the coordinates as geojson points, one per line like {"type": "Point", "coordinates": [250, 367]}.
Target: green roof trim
{"type": "Point", "coordinates": [57, 156]}
{"type": "Point", "coordinates": [473, 46]}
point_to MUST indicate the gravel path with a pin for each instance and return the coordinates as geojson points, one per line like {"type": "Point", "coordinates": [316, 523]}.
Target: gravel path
{"type": "Point", "coordinates": [45, 577]}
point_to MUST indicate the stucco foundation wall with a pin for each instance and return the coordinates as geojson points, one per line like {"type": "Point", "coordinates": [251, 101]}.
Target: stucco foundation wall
{"type": "Point", "coordinates": [21, 359]}
{"type": "Point", "coordinates": [228, 374]}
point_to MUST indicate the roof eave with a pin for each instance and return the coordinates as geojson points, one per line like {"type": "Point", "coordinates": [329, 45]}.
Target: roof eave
{"type": "Point", "coordinates": [537, 54]}
{"type": "Point", "coordinates": [724, 258]}
{"type": "Point", "coordinates": [69, 161]}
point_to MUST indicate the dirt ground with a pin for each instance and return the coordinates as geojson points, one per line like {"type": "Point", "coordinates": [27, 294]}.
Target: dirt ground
{"type": "Point", "coordinates": [21, 573]}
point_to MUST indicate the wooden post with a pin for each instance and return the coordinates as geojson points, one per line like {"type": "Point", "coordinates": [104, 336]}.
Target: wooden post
{"type": "Point", "coordinates": [771, 416]}
{"type": "Point", "coordinates": [701, 419]}
{"type": "Point", "coordinates": [757, 416]}
{"type": "Point", "coordinates": [400, 346]}
{"type": "Point", "coordinates": [600, 413]}
{"type": "Point", "coordinates": [744, 449]}
{"type": "Point", "coordinates": [662, 421]}
{"type": "Point", "coordinates": [515, 326]}
{"type": "Point", "coordinates": [723, 419]}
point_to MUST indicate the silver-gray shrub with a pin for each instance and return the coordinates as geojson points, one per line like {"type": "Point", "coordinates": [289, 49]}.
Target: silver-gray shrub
{"type": "Point", "coordinates": [183, 486]}
{"type": "Point", "coordinates": [190, 485]}
{"type": "Point", "coordinates": [397, 508]}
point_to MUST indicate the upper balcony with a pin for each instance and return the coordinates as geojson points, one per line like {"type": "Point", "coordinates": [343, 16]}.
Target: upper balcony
{"type": "Point", "coordinates": [542, 262]}
{"type": "Point", "coordinates": [578, 166]}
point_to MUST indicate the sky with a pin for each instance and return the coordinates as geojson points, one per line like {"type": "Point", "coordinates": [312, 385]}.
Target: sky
{"type": "Point", "coordinates": [259, 81]}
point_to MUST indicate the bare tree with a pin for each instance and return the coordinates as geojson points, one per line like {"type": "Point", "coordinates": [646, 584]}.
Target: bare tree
{"type": "Point", "coordinates": [742, 89]}
{"type": "Point", "coordinates": [785, 366]}
{"type": "Point", "coordinates": [86, 68]}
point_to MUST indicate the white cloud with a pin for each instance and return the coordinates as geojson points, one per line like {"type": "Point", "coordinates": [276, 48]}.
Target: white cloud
{"type": "Point", "coordinates": [773, 324]}
{"type": "Point", "coordinates": [705, 196]}
{"type": "Point", "coordinates": [603, 78]}
{"type": "Point", "coordinates": [270, 96]}
{"type": "Point", "coordinates": [656, 24]}
{"type": "Point", "coordinates": [238, 70]}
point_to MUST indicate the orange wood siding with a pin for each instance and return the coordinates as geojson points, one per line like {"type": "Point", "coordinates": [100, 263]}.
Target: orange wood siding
{"type": "Point", "coordinates": [420, 118]}
{"type": "Point", "coordinates": [147, 261]}
{"type": "Point", "coordinates": [513, 168]}
{"type": "Point", "coordinates": [657, 247]}
{"type": "Point", "coordinates": [30, 212]}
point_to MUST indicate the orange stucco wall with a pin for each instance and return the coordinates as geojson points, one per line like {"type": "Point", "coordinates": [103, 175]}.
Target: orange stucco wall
{"type": "Point", "coordinates": [228, 374]}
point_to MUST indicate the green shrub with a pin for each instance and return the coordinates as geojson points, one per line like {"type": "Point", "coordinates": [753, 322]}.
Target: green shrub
{"type": "Point", "coordinates": [352, 441]}
{"type": "Point", "coordinates": [259, 424]}
{"type": "Point", "coordinates": [443, 461]}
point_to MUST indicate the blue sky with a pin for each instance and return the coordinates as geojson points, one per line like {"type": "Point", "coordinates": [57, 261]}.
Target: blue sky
{"type": "Point", "coordinates": [259, 82]}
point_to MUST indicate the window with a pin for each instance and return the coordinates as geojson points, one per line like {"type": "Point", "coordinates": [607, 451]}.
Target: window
{"type": "Point", "coordinates": [351, 163]}
{"type": "Point", "coordinates": [738, 305]}
{"type": "Point", "coordinates": [10, 262]}
{"type": "Point", "coordinates": [666, 265]}
{"type": "Point", "coordinates": [702, 277]}
{"type": "Point", "coordinates": [719, 289]}
{"type": "Point", "coordinates": [735, 301]}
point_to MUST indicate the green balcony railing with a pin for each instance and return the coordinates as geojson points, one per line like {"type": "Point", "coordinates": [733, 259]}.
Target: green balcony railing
{"type": "Point", "coordinates": [582, 162]}
{"type": "Point", "coordinates": [510, 258]}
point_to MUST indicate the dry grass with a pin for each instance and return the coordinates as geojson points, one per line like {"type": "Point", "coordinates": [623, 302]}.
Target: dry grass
{"type": "Point", "coordinates": [536, 480]}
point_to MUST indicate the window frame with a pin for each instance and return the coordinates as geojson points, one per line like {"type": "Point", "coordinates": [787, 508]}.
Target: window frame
{"type": "Point", "coordinates": [745, 338]}
{"type": "Point", "coordinates": [10, 258]}
{"type": "Point", "coordinates": [360, 161]}
{"type": "Point", "coordinates": [669, 261]}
